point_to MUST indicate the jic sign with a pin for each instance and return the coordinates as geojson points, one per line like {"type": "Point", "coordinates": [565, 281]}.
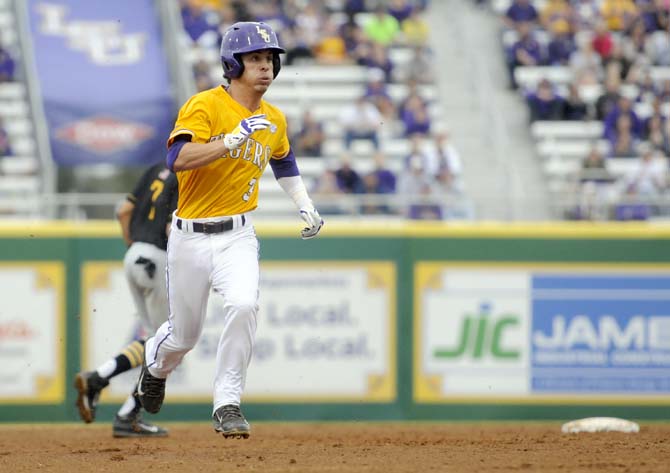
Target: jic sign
{"type": "Point", "coordinates": [563, 331]}
{"type": "Point", "coordinates": [326, 333]}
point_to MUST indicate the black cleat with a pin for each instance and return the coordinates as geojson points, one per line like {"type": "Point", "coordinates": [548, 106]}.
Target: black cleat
{"type": "Point", "coordinates": [150, 391]}
{"type": "Point", "coordinates": [229, 421]}
{"type": "Point", "coordinates": [88, 384]}
{"type": "Point", "coordinates": [134, 426]}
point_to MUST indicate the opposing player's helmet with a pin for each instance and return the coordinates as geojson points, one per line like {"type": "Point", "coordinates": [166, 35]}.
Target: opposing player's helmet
{"type": "Point", "coordinates": [245, 37]}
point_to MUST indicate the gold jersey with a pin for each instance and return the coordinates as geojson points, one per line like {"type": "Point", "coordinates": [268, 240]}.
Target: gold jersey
{"type": "Point", "coordinates": [229, 185]}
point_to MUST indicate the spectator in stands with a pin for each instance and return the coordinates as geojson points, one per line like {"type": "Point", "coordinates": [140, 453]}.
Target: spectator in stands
{"type": "Point", "coordinates": [623, 142]}
{"type": "Point", "coordinates": [415, 117]}
{"type": "Point", "coordinates": [624, 107]}
{"type": "Point", "coordinates": [607, 101]}
{"type": "Point", "coordinates": [376, 91]}
{"type": "Point", "coordinates": [201, 23]}
{"type": "Point", "coordinates": [5, 148]}
{"type": "Point", "coordinates": [557, 15]}
{"type": "Point", "coordinates": [617, 60]}
{"type": "Point", "coordinates": [657, 134]}
{"type": "Point", "coordinates": [361, 120]}
{"type": "Point", "coordinates": [326, 193]}
{"type": "Point", "coordinates": [574, 108]}
{"type": "Point", "coordinates": [352, 35]}
{"type": "Point", "coordinates": [585, 63]}
{"type": "Point", "coordinates": [664, 92]}
{"type": "Point", "coordinates": [618, 14]}
{"type": "Point", "coordinates": [309, 140]}
{"type": "Point", "coordinates": [330, 47]}
{"type": "Point", "coordinates": [400, 9]}
{"type": "Point", "coordinates": [202, 74]}
{"type": "Point", "coordinates": [420, 67]}
{"type": "Point", "coordinates": [379, 59]}
{"type": "Point", "coordinates": [296, 46]}
{"type": "Point", "coordinates": [418, 190]}
{"type": "Point", "coordinates": [658, 48]}
{"type": "Point", "coordinates": [6, 66]}
{"type": "Point", "coordinates": [561, 45]}
{"type": "Point", "coordinates": [228, 16]}
{"type": "Point", "coordinates": [657, 17]}
{"type": "Point", "coordinates": [586, 15]}
{"type": "Point", "coordinates": [310, 20]}
{"type": "Point", "coordinates": [520, 11]}
{"type": "Point", "coordinates": [381, 27]}
{"type": "Point", "coordinates": [544, 104]}
{"type": "Point", "coordinates": [602, 41]}
{"type": "Point", "coordinates": [594, 168]}
{"type": "Point", "coordinates": [593, 187]}
{"type": "Point", "coordinates": [656, 113]}
{"type": "Point", "coordinates": [525, 52]}
{"type": "Point", "coordinates": [351, 7]}
{"type": "Point", "coordinates": [371, 204]}
{"type": "Point", "coordinates": [273, 13]}
{"type": "Point", "coordinates": [443, 160]}
{"type": "Point", "coordinates": [385, 177]}
{"type": "Point", "coordinates": [647, 180]}
{"type": "Point", "coordinates": [646, 86]}
{"type": "Point", "coordinates": [415, 29]}
{"type": "Point", "coordinates": [348, 180]}
{"type": "Point", "coordinates": [633, 44]}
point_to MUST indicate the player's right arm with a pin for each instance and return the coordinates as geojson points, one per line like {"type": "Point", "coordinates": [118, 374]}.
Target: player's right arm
{"type": "Point", "coordinates": [188, 146]}
{"type": "Point", "coordinates": [189, 155]}
{"type": "Point", "coordinates": [123, 214]}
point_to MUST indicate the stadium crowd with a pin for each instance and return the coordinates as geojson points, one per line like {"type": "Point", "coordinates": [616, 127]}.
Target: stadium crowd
{"type": "Point", "coordinates": [363, 33]}
{"type": "Point", "coordinates": [611, 49]}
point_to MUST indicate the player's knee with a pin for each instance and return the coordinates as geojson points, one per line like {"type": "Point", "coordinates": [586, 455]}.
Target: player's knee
{"type": "Point", "coordinates": [185, 342]}
{"type": "Point", "coordinates": [244, 309]}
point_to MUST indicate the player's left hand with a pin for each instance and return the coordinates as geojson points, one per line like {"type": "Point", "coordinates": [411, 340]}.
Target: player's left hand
{"type": "Point", "coordinates": [313, 220]}
{"type": "Point", "coordinates": [246, 127]}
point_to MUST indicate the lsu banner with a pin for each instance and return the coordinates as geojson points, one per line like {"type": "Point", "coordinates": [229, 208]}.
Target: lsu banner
{"type": "Point", "coordinates": [104, 80]}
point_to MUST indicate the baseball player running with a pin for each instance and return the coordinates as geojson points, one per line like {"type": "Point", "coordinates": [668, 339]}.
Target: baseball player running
{"type": "Point", "coordinates": [144, 217]}
{"type": "Point", "coordinates": [221, 143]}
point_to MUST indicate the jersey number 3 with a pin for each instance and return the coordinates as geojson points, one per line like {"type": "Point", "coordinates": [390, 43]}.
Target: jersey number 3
{"type": "Point", "coordinates": [156, 187]}
{"type": "Point", "coordinates": [252, 185]}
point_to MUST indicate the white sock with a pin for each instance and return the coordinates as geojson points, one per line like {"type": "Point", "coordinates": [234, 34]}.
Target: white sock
{"type": "Point", "coordinates": [107, 368]}
{"type": "Point", "coordinates": [127, 407]}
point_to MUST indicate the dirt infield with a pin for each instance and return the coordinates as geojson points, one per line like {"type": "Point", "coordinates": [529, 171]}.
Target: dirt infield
{"type": "Point", "coordinates": [352, 447]}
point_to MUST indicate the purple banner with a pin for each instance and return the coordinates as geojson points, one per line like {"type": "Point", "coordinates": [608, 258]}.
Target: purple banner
{"type": "Point", "coordinates": [104, 79]}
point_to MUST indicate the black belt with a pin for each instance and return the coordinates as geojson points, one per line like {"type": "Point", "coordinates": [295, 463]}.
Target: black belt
{"type": "Point", "coordinates": [212, 227]}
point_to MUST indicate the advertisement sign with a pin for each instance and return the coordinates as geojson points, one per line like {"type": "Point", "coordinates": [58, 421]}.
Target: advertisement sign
{"type": "Point", "coordinates": [326, 332]}
{"type": "Point", "coordinates": [104, 80]}
{"type": "Point", "coordinates": [32, 333]}
{"type": "Point", "coordinates": [470, 332]}
{"type": "Point", "coordinates": [597, 333]}
{"type": "Point", "coordinates": [540, 332]}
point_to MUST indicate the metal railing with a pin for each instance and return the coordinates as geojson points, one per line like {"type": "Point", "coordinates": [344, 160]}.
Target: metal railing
{"type": "Point", "coordinates": [84, 206]}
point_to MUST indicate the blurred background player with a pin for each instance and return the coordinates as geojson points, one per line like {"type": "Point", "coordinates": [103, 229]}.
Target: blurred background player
{"type": "Point", "coordinates": [145, 217]}
{"type": "Point", "coordinates": [221, 143]}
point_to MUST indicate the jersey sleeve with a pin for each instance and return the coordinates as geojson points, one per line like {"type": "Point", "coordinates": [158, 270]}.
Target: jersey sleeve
{"type": "Point", "coordinates": [193, 120]}
{"type": "Point", "coordinates": [141, 186]}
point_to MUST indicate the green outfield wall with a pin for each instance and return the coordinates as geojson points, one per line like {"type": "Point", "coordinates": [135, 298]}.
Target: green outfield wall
{"type": "Point", "coordinates": [369, 321]}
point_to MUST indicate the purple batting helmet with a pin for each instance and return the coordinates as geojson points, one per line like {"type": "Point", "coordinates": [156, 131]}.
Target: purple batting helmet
{"type": "Point", "coordinates": [245, 37]}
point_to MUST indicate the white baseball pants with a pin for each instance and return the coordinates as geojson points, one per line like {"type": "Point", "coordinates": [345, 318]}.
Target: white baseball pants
{"type": "Point", "coordinates": [149, 292]}
{"type": "Point", "coordinates": [226, 262]}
